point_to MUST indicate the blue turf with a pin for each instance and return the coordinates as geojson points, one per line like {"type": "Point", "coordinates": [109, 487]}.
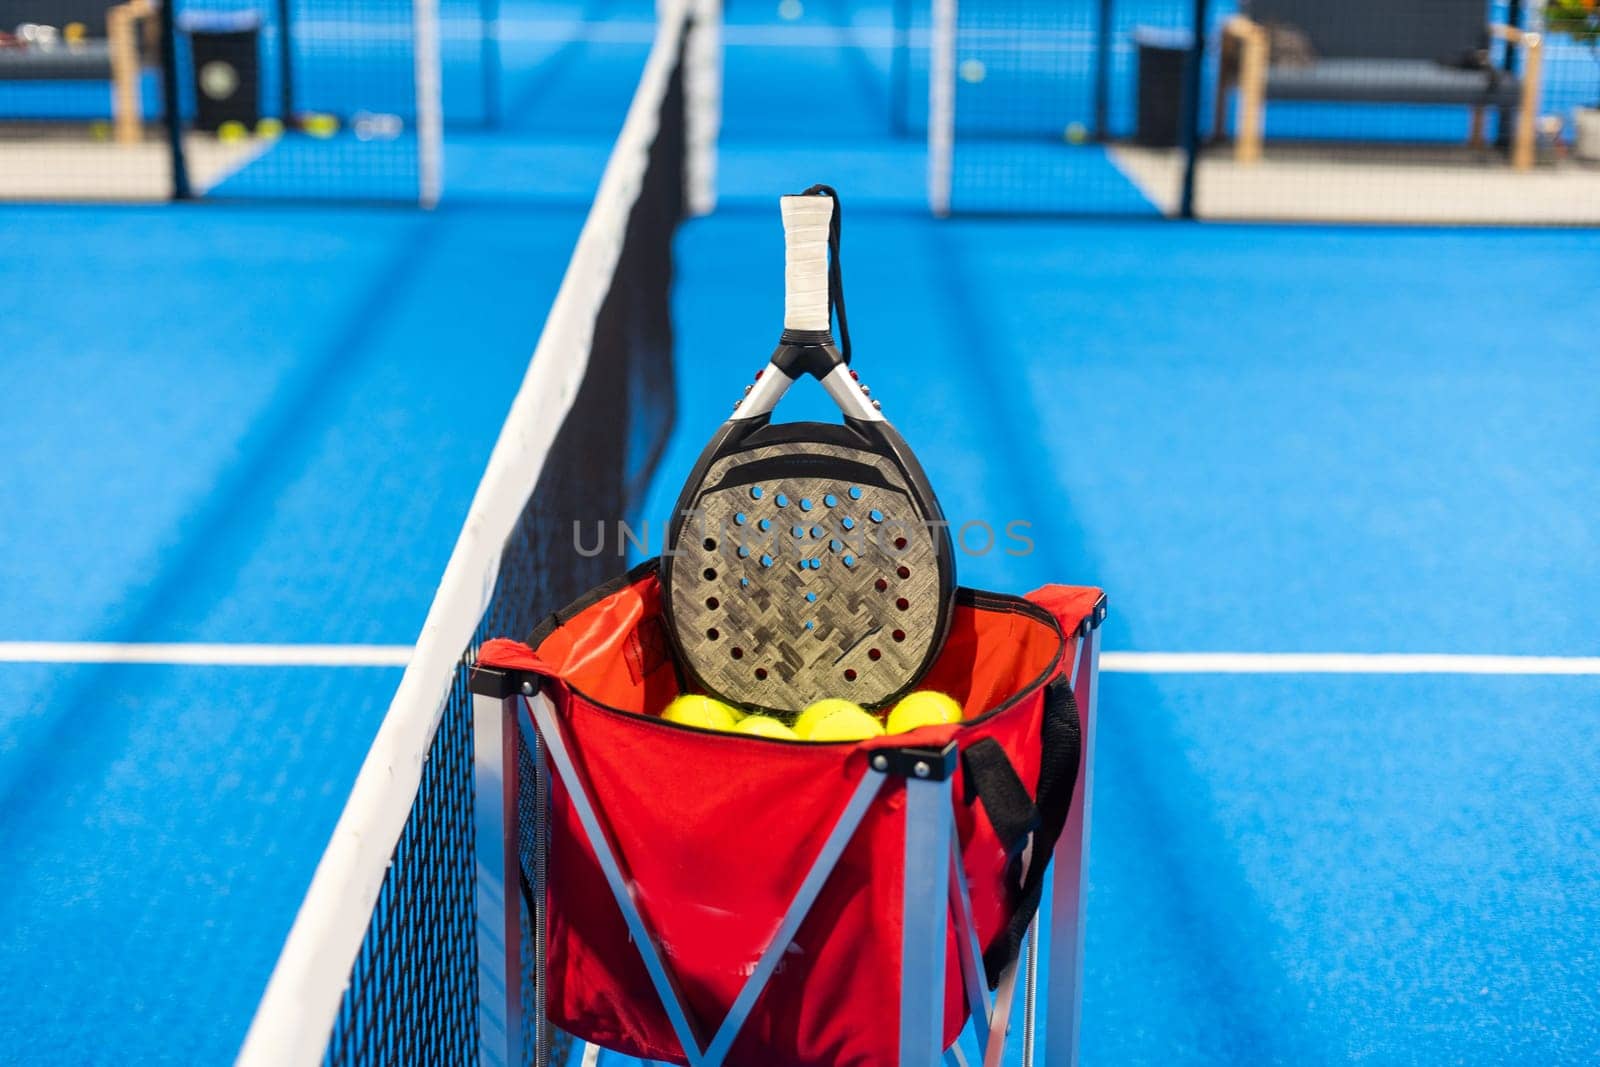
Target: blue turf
{"type": "Point", "coordinates": [1327, 870]}
{"type": "Point", "coordinates": [157, 850]}
{"type": "Point", "coordinates": [380, 362]}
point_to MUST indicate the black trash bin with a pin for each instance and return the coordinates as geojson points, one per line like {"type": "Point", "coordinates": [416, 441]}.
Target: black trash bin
{"type": "Point", "coordinates": [1162, 54]}
{"type": "Point", "coordinates": [225, 53]}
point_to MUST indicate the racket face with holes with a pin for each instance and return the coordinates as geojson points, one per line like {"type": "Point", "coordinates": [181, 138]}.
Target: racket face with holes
{"type": "Point", "coordinates": [806, 561]}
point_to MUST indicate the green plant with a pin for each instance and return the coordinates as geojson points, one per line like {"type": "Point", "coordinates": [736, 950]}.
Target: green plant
{"type": "Point", "coordinates": [1579, 20]}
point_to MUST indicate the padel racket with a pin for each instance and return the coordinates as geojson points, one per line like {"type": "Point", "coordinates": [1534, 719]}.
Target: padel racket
{"type": "Point", "coordinates": [808, 560]}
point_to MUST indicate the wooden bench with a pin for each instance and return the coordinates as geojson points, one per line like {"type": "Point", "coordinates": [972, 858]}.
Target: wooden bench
{"type": "Point", "coordinates": [1377, 51]}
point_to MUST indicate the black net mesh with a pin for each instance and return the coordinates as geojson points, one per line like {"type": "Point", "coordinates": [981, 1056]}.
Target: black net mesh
{"type": "Point", "coordinates": [326, 104]}
{"type": "Point", "coordinates": [1042, 90]}
{"type": "Point", "coordinates": [412, 996]}
{"type": "Point", "coordinates": [278, 99]}
{"type": "Point", "coordinates": [1433, 111]}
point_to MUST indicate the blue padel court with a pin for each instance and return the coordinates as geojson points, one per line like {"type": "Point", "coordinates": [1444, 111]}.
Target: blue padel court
{"type": "Point", "coordinates": [243, 439]}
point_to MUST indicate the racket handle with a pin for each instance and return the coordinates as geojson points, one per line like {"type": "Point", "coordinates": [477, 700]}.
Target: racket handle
{"type": "Point", "coordinates": [806, 220]}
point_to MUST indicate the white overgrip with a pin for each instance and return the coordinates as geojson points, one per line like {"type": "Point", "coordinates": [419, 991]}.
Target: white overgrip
{"type": "Point", "coordinates": [806, 220]}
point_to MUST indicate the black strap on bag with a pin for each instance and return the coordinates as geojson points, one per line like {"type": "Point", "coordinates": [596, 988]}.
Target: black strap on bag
{"type": "Point", "coordinates": [993, 780]}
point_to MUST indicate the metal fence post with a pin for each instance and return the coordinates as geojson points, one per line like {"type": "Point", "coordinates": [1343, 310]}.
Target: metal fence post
{"type": "Point", "coordinates": [285, 65]}
{"type": "Point", "coordinates": [173, 118]}
{"type": "Point", "coordinates": [1102, 72]}
{"type": "Point", "coordinates": [1189, 130]}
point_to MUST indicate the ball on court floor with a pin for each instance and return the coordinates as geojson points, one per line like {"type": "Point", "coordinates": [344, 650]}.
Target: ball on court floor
{"type": "Point", "coordinates": [1075, 133]}
{"type": "Point", "coordinates": [269, 128]}
{"type": "Point", "coordinates": [925, 707]}
{"type": "Point", "coordinates": [319, 125]}
{"type": "Point", "coordinates": [837, 720]}
{"type": "Point", "coordinates": [100, 131]}
{"type": "Point", "coordinates": [790, 9]}
{"type": "Point", "coordinates": [765, 726]}
{"type": "Point", "coordinates": [973, 71]}
{"type": "Point", "coordinates": [232, 132]}
{"type": "Point", "coordinates": [708, 713]}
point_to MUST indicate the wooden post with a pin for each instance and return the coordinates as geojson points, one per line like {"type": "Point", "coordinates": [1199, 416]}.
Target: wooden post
{"type": "Point", "coordinates": [1252, 96]}
{"type": "Point", "coordinates": [1522, 148]}
{"type": "Point", "coordinates": [126, 108]}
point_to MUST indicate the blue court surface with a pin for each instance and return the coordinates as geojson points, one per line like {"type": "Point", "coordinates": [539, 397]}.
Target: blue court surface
{"type": "Point", "coordinates": [249, 425]}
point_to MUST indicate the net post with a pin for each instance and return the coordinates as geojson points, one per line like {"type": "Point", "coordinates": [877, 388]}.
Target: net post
{"type": "Point", "coordinates": [1069, 877]}
{"type": "Point", "coordinates": [497, 867]}
{"type": "Point", "coordinates": [942, 105]}
{"type": "Point", "coordinates": [925, 907]}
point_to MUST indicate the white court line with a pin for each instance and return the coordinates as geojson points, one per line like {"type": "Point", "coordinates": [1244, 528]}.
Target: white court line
{"type": "Point", "coordinates": [250, 655]}
{"type": "Point", "coordinates": [205, 655]}
{"type": "Point", "coordinates": [1341, 663]}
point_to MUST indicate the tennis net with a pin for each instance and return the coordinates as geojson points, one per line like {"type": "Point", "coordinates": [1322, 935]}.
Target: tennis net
{"type": "Point", "coordinates": [381, 963]}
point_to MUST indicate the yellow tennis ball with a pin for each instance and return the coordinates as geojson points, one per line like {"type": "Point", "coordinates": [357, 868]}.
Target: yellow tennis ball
{"type": "Point", "coordinates": [269, 128]}
{"type": "Point", "coordinates": [923, 708]}
{"type": "Point", "coordinates": [231, 131]}
{"type": "Point", "coordinates": [819, 711]}
{"type": "Point", "coordinates": [765, 726]}
{"type": "Point", "coordinates": [318, 125]}
{"type": "Point", "coordinates": [843, 722]}
{"type": "Point", "coordinates": [708, 713]}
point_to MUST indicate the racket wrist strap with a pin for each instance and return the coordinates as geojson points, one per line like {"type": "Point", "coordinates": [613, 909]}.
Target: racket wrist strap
{"type": "Point", "coordinates": [836, 311]}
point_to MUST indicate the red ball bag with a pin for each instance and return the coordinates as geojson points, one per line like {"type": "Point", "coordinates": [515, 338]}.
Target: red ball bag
{"type": "Point", "coordinates": [714, 833]}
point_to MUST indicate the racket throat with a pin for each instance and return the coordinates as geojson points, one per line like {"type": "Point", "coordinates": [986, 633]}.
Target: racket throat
{"type": "Point", "coordinates": [822, 362]}
{"type": "Point", "coordinates": [807, 352]}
